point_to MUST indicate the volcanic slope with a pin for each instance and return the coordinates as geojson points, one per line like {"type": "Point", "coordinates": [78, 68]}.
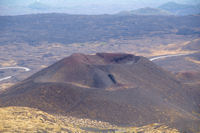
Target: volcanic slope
{"type": "Point", "coordinates": [118, 88]}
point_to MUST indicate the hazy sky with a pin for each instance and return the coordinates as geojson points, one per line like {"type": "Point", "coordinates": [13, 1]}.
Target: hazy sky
{"type": "Point", "coordinates": [61, 2]}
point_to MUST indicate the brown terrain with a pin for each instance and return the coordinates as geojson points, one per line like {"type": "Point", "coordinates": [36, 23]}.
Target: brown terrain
{"type": "Point", "coordinates": [40, 56]}
{"type": "Point", "coordinates": [100, 92]}
{"type": "Point", "coordinates": [121, 89]}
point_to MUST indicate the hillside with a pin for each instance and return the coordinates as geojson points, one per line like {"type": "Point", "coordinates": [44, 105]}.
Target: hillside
{"type": "Point", "coordinates": [121, 89]}
{"type": "Point", "coordinates": [194, 45]}
{"type": "Point", "coordinates": [23, 119]}
{"type": "Point", "coordinates": [69, 29]}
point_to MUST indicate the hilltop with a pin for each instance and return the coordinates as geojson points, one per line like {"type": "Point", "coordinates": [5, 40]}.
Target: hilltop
{"type": "Point", "coordinates": [181, 9]}
{"type": "Point", "coordinates": [122, 89]}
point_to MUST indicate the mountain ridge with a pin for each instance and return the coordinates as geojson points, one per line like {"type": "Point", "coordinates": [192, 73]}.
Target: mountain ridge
{"type": "Point", "coordinates": [146, 11]}
{"type": "Point", "coordinates": [180, 9]}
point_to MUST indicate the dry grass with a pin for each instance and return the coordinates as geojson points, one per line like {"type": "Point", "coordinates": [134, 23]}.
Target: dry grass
{"type": "Point", "coordinates": [8, 63]}
{"type": "Point", "coordinates": [23, 120]}
{"type": "Point", "coordinates": [4, 86]}
{"type": "Point", "coordinates": [192, 60]}
{"type": "Point", "coordinates": [79, 85]}
{"type": "Point", "coordinates": [172, 48]}
{"type": "Point", "coordinates": [152, 128]}
{"type": "Point", "coordinates": [28, 120]}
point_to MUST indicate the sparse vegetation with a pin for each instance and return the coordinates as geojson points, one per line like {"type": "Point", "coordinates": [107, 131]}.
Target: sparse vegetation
{"type": "Point", "coordinates": [29, 120]}
{"type": "Point", "coordinates": [68, 29]}
{"type": "Point", "coordinates": [24, 120]}
{"type": "Point", "coordinates": [107, 87]}
{"type": "Point", "coordinates": [110, 89]}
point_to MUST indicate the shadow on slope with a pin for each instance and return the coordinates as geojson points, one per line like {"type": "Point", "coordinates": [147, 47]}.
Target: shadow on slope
{"type": "Point", "coordinates": [122, 89]}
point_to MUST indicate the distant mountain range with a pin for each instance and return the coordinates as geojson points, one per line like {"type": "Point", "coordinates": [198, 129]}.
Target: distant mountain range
{"type": "Point", "coordinates": [180, 9]}
{"type": "Point", "coordinates": [170, 8]}
{"type": "Point", "coordinates": [146, 11]}
{"type": "Point", "coordinates": [98, 7]}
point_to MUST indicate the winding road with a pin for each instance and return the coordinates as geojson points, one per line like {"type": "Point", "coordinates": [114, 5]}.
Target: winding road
{"type": "Point", "coordinates": [27, 69]}
{"type": "Point", "coordinates": [5, 78]}
{"type": "Point", "coordinates": [165, 56]}
{"type": "Point", "coordinates": [8, 77]}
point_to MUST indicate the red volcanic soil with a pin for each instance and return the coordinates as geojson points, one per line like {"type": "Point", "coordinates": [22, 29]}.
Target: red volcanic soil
{"type": "Point", "coordinates": [119, 88]}
{"type": "Point", "coordinates": [90, 70]}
